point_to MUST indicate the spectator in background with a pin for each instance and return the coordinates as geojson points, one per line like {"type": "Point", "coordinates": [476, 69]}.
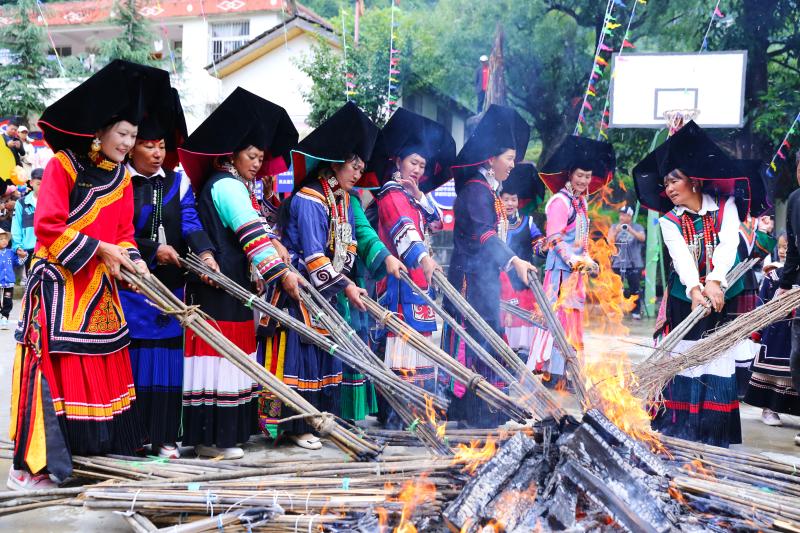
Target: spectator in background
{"type": "Point", "coordinates": [11, 138]}
{"type": "Point", "coordinates": [628, 237]}
{"type": "Point", "coordinates": [23, 239]}
{"type": "Point", "coordinates": [7, 278]}
{"type": "Point", "coordinates": [482, 81]}
{"type": "Point", "coordinates": [791, 276]}
{"type": "Point", "coordinates": [7, 212]}
{"type": "Point", "coordinates": [27, 146]}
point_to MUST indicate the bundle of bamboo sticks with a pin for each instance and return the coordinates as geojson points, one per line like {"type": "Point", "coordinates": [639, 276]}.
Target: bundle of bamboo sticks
{"type": "Point", "coordinates": [526, 388]}
{"type": "Point", "coordinates": [358, 447]}
{"type": "Point", "coordinates": [669, 341]}
{"type": "Point", "coordinates": [653, 374]}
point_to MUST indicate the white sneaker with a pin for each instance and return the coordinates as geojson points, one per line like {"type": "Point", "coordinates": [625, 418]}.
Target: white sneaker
{"type": "Point", "coordinates": [4, 323]}
{"type": "Point", "coordinates": [224, 453]}
{"type": "Point", "coordinates": [770, 418]}
{"type": "Point", "coordinates": [169, 451]}
{"type": "Point", "coordinates": [797, 440]}
{"type": "Point", "coordinates": [22, 480]}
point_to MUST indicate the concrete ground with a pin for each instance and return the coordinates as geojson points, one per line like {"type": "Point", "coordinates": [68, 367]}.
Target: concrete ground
{"type": "Point", "coordinates": [774, 441]}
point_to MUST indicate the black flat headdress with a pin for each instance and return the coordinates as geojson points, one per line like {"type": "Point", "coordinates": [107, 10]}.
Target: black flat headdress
{"type": "Point", "coordinates": [170, 126]}
{"type": "Point", "coordinates": [348, 131]}
{"type": "Point", "coordinates": [524, 181]}
{"type": "Point", "coordinates": [693, 152]}
{"type": "Point", "coordinates": [499, 128]}
{"type": "Point", "coordinates": [243, 119]}
{"type": "Point", "coordinates": [579, 152]}
{"type": "Point", "coordinates": [408, 133]}
{"type": "Point", "coordinates": [119, 91]}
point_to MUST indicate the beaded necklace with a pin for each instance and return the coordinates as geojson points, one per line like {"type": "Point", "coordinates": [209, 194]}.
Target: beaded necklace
{"type": "Point", "coordinates": [340, 234]}
{"type": "Point", "coordinates": [502, 218]}
{"type": "Point", "coordinates": [157, 232]}
{"type": "Point", "coordinates": [581, 217]}
{"type": "Point", "coordinates": [693, 240]}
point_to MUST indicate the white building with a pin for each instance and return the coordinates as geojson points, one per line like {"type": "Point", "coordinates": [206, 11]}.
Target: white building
{"type": "Point", "coordinates": [213, 46]}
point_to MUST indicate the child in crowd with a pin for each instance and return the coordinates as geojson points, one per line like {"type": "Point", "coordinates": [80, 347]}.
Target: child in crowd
{"type": "Point", "coordinates": [7, 278]}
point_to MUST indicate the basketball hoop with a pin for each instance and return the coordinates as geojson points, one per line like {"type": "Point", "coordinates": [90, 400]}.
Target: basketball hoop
{"type": "Point", "coordinates": [677, 118]}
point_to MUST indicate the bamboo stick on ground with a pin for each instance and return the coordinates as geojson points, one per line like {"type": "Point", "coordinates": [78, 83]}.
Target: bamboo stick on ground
{"type": "Point", "coordinates": [325, 423]}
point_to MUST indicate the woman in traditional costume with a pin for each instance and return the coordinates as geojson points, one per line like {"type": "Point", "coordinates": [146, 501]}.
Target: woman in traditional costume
{"type": "Point", "coordinates": [771, 385]}
{"type": "Point", "coordinates": [219, 400]}
{"type": "Point", "coordinates": [480, 251]}
{"type": "Point", "coordinates": [698, 188]}
{"type": "Point", "coordinates": [167, 227]}
{"type": "Point", "coordinates": [320, 234]}
{"type": "Point", "coordinates": [417, 153]}
{"type": "Point", "coordinates": [73, 389]}
{"type": "Point", "coordinates": [523, 188]}
{"type": "Point", "coordinates": [579, 167]}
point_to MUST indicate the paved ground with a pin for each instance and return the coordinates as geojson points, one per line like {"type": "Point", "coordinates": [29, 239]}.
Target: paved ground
{"type": "Point", "coordinates": [757, 436]}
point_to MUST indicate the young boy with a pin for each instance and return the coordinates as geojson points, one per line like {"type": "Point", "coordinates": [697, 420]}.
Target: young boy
{"type": "Point", "coordinates": [7, 278]}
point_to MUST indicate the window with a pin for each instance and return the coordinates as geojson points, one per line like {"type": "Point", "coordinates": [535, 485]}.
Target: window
{"type": "Point", "coordinates": [64, 51]}
{"type": "Point", "coordinates": [227, 37]}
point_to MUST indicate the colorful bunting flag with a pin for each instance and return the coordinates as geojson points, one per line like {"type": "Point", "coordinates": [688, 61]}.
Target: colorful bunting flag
{"type": "Point", "coordinates": [627, 44]}
{"type": "Point", "coordinates": [718, 13]}
{"type": "Point", "coordinates": [773, 167]}
{"type": "Point", "coordinates": [394, 71]}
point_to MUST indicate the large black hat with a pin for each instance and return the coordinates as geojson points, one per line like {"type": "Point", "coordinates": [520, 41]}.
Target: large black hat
{"type": "Point", "coordinates": [170, 126]}
{"type": "Point", "coordinates": [579, 152]}
{"type": "Point", "coordinates": [524, 181]}
{"type": "Point", "coordinates": [757, 202]}
{"type": "Point", "coordinates": [499, 128]}
{"type": "Point", "coordinates": [243, 119]}
{"type": "Point", "coordinates": [408, 133]}
{"type": "Point", "coordinates": [119, 91]}
{"type": "Point", "coordinates": [347, 132]}
{"type": "Point", "coordinates": [693, 152]}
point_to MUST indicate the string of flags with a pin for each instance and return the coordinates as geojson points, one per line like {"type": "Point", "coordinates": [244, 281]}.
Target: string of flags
{"type": "Point", "coordinates": [349, 77]}
{"type": "Point", "coordinates": [392, 92]}
{"type": "Point", "coordinates": [626, 43]}
{"type": "Point", "coordinates": [610, 24]}
{"type": "Point", "coordinates": [716, 14]}
{"type": "Point", "coordinates": [784, 149]}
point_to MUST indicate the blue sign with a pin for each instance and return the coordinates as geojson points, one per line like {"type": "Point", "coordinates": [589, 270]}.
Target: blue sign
{"type": "Point", "coordinates": [445, 196]}
{"type": "Point", "coordinates": [285, 181]}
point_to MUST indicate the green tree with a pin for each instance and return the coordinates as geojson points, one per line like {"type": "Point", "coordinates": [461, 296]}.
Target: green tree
{"type": "Point", "coordinates": [22, 79]}
{"type": "Point", "coordinates": [368, 63]}
{"type": "Point", "coordinates": [135, 40]}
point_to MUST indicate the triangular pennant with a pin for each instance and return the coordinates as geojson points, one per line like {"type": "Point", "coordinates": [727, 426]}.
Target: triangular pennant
{"type": "Point", "coordinates": [627, 44]}
{"type": "Point", "coordinates": [600, 61]}
{"type": "Point", "coordinates": [718, 13]}
{"type": "Point", "coordinates": [587, 105]}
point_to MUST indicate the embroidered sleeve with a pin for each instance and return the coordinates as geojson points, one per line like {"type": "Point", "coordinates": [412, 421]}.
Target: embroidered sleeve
{"type": "Point", "coordinates": [395, 212]}
{"type": "Point", "coordinates": [370, 248]}
{"type": "Point", "coordinates": [71, 248]}
{"type": "Point", "coordinates": [765, 243]}
{"type": "Point", "coordinates": [682, 259]}
{"type": "Point", "coordinates": [725, 252]}
{"type": "Point", "coordinates": [191, 228]}
{"type": "Point", "coordinates": [557, 212]}
{"type": "Point", "coordinates": [313, 227]}
{"type": "Point", "coordinates": [430, 211]}
{"type": "Point", "coordinates": [235, 211]}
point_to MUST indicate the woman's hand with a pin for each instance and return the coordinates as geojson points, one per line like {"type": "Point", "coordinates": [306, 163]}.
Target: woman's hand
{"type": "Point", "coordinates": [523, 269]}
{"type": "Point", "coordinates": [208, 258]}
{"type": "Point", "coordinates": [283, 253]}
{"type": "Point", "coordinates": [698, 299]}
{"type": "Point", "coordinates": [354, 293]}
{"type": "Point", "coordinates": [291, 283]}
{"type": "Point", "coordinates": [167, 255]}
{"type": "Point", "coordinates": [394, 266]}
{"type": "Point", "coordinates": [411, 187]}
{"type": "Point", "coordinates": [713, 292]}
{"type": "Point", "coordinates": [113, 257]}
{"type": "Point", "coordinates": [766, 224]}
{"type": "Point", "coordinates": [429, 266]}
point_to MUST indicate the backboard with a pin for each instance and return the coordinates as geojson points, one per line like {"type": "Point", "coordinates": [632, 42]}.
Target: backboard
{"type": "Point", "coordinates": [646, 85]}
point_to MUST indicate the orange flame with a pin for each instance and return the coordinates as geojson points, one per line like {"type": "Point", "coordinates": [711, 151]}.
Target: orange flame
{"type": "Point", "coordinates": [474, 455]}
{"type": "Point", "coordinates": [430, 414]}
{"type": "Point", "coordinates": [413, 494]}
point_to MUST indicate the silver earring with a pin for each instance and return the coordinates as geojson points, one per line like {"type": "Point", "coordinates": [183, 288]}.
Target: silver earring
{"type": "Point", "coordinates": [396, 175]}
{"type": "Point", "coordinates": [694, 189]}
{"type": "Point", "coordinates": [490, 173]}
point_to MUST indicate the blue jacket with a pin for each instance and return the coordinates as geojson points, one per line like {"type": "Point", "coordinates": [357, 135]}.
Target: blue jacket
{"type": "Point", "coordinates": [8, 259]}
{"type": "Point", "coordinates": [22, 225]}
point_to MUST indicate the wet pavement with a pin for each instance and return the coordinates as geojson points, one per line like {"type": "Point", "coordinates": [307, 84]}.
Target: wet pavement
{"type": "Point", "coordinates": [776, 441]}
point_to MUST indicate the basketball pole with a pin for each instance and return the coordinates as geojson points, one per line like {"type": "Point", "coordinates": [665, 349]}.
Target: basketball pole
{"type": "Point", "coordinates": [653, 261]}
